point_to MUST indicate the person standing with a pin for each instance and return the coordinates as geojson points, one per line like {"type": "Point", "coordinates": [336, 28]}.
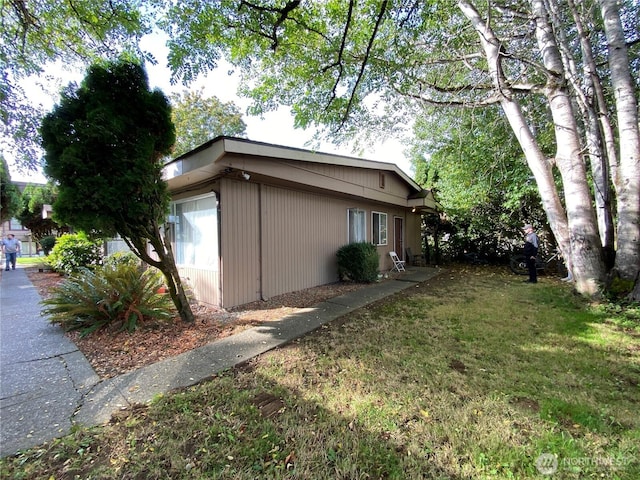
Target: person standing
{"type": "Point", "coordinates": [11, 248]}
{"type": "Point", "coordinates": [531, 252]}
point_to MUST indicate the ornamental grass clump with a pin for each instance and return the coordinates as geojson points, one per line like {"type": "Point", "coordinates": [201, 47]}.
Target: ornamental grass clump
{"type": "Point", "coordinates": [117, 296]}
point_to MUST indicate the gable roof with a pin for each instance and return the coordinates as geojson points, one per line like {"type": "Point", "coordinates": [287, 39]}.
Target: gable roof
{"type": "Point", "coordinates": [206, 162]}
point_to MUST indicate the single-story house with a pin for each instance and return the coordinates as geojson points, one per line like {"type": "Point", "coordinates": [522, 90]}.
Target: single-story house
{"type": "Point", "coordinates": [252, 220]}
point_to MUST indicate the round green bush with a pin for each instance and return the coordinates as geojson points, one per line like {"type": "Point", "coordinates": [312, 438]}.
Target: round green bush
{"type": "Point", "coordinates": [121, 258]}
{"type": "Point", "coordinates": [358, 262]}
{"type": "Point", "coordinates": [74, 251]}
{"type": "Point", "coordinates": [47, 243]}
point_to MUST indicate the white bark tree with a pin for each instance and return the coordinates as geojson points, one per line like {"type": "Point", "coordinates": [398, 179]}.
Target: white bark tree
{"type": "Point", "coordinates": [628, 184]}
{"type": "Point", "coordinates": [574, 226]}
{"type": "Point", "coordinates": [329, 59]}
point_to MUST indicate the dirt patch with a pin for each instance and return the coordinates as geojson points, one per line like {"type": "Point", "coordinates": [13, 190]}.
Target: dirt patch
{"type": "Point", "coordinates": [526, 403]}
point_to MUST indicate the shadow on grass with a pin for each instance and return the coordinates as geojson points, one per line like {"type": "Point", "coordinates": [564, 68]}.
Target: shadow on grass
{"type": "Point", "coordinates": [467, 377]}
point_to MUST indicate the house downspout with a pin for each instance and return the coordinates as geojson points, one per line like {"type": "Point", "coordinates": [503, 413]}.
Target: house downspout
{"type": "Point", "coordinates": [260, 246]}
{"type": "Point", "coordinates": [220, 260]}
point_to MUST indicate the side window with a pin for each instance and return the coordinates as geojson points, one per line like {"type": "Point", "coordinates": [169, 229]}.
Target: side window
{"type": "Point", "coordinates": [379, 225]}
{"type": "Point", "coordinates": [357, 225]}
{"type": "Point", "coordinates": [195, 226]}
{"type": "Point", "coordinates": [14, 224]}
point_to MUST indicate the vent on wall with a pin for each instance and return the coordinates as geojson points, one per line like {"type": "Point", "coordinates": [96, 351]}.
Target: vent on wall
{"type": "Point", "coordinates": [381, 179]}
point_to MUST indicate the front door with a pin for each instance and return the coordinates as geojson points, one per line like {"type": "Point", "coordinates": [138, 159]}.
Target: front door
{"type": "Point", "coordinates": [398, 236]}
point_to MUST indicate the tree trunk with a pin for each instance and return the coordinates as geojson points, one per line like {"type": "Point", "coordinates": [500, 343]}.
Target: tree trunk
{"type": "Point", "coordinates": [166, 264]}
{"type": "Point", "coordinates": [586, 249]}
{"type": "Point", "coordinates": [575, 229]}
{"type": "Point", "coordinates": [588, 90]}
{"type": "Point", "coordinates": [176, 287]}
{"type": "Point", "coordinates": [627, 262]}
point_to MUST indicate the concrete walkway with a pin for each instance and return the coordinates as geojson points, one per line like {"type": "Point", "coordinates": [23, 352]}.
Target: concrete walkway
{"type": "Point", "coordinates": [47, 385]}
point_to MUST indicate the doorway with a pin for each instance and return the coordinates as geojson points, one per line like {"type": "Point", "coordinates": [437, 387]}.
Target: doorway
{"type": "Point", "coordinates": [398, 236]}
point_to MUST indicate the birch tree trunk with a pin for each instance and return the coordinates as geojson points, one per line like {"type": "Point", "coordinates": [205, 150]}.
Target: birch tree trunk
{"type": "Point", "coordinates": [588, 90]}
{"type": "Point", "coordinates": [627, 262]}
{"type": "Point", "coordinates": [575, 229]}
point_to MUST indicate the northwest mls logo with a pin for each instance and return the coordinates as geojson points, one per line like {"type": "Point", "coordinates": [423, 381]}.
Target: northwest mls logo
{"type": "Point", "coordinates": [547, 464]}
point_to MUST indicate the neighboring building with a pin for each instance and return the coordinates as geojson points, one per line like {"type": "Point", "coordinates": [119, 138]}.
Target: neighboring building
{"type": "Point", "coordinates": [252, 220]}
{"type": "Point", "coordinates": [28, 246]}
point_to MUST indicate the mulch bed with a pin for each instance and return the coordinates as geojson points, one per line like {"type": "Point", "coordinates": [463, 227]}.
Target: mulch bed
{"type": "Point", "coordinates": [113, 353]}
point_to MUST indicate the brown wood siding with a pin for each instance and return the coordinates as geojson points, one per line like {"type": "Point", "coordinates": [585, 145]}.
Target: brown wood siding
{"type": "Point", "coordinates": [301, 233]}
{"type": "Point", "coordinates": [341, 180]}
{"type": "Point", "coordinates": [370, 179]}
{"type": "Point", "coordinates": [204, 284]}
{"type": "Point", "coordinates": [240, 247]}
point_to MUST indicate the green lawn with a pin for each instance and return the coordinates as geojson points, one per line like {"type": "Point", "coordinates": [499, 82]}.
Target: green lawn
{"type": "Point", "coordinates": [30, 261]}
{"type": "Point", "coordinates": [470, 375]}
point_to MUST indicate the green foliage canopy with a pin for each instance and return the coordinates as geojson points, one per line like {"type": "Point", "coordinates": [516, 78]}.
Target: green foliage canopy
{"type": "Point", "coordinates": [198, 119]}
{"type": "Point", "coordinates": [103, 145]}
{"type": "Point", "coordinates": [37, 34]}
{"type": "Point", "coordinates": [330, 61]}
{"type": "Point", "coordinates": [34, 197]}
{"type": "Point", "coordinates": [475, 165]}
{"type": "Point", "coordinates": [9, 193]}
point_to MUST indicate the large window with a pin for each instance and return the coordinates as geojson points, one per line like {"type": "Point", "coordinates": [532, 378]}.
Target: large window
{"type": "Point", "coordinates": [196, 232]}
{"type": "Point", "coordinates": [357, 225]}
{"type": "Point", "coordinates": [379, 224]}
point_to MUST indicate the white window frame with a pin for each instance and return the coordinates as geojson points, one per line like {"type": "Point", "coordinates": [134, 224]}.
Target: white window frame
{"type": "Point", "coordinates": [356, 233]}
{"type": "Point", "coordinates": [379, 237]}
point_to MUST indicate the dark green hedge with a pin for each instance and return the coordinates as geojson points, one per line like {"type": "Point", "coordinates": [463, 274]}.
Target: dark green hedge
{"type": "Point", "coordinates": [358, 262]}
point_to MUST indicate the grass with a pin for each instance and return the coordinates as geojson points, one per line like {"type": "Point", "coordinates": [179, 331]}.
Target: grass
{"type": "Point", "coordinates": [471, 375]}
{"type": "Point", "coordinates": [30, 261]}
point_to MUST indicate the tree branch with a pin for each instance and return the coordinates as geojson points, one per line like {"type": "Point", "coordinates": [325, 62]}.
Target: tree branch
{"type": "Point", "coordinates": [338, 62]}
{"type": "Point", "coordinates": [283, 15]}
{"type": "Point", "coordinates": [381, 13]}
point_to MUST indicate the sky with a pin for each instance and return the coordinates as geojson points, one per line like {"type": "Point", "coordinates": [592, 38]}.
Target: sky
{"type": "Point", "coordinates": [274, 127]}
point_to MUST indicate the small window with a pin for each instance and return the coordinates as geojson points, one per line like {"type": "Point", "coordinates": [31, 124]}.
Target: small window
{"type": "Point", "coordinates": [379, 224]}
{"type": "Point", "coordinates": [14, 224]}
{"type": "Point", "coordinates": [381, 179]}
{"type": "Point", "coordinates": [357, 225]}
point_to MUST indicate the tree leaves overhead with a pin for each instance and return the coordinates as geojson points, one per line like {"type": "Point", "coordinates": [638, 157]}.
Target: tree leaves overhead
{"type": "Point", "coordinates": [331, 61]}
{"type": "Point", "coordinates": [37, 34]}
{"type": "Point", "coordinates": [198, 119]}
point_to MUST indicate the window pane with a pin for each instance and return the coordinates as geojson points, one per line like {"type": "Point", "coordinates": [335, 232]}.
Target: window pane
{"type": "Point", "coordinates": [196, 233]}
{"type": "Point", "coordinates": [357, 231]}
{"type": "Point", "coordinates": [379, 221]}
{"type": "Point", "coordinates": [14, 224]}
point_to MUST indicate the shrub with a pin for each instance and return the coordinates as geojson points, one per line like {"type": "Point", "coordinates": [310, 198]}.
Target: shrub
{"type": "Point", "coordinates": [117, 296]}
{"type": "Point", "coordinates": [358, 262]}
{"type": "Point", "coordinates": [47, 243]}
{"type": "Point", "coordinates": [73, 252]}
{"type": "Point", "coordinates": [121, 258]}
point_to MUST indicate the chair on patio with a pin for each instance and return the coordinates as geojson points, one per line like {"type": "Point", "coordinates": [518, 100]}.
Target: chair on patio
{"type": "Point", "coordinates": [417, 260]}
{"type": "Point", "coordinates": [398, 265]}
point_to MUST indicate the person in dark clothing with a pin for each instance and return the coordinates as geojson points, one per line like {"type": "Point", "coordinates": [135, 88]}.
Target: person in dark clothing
{"type": "Point", "coordinates": [531, 252]}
